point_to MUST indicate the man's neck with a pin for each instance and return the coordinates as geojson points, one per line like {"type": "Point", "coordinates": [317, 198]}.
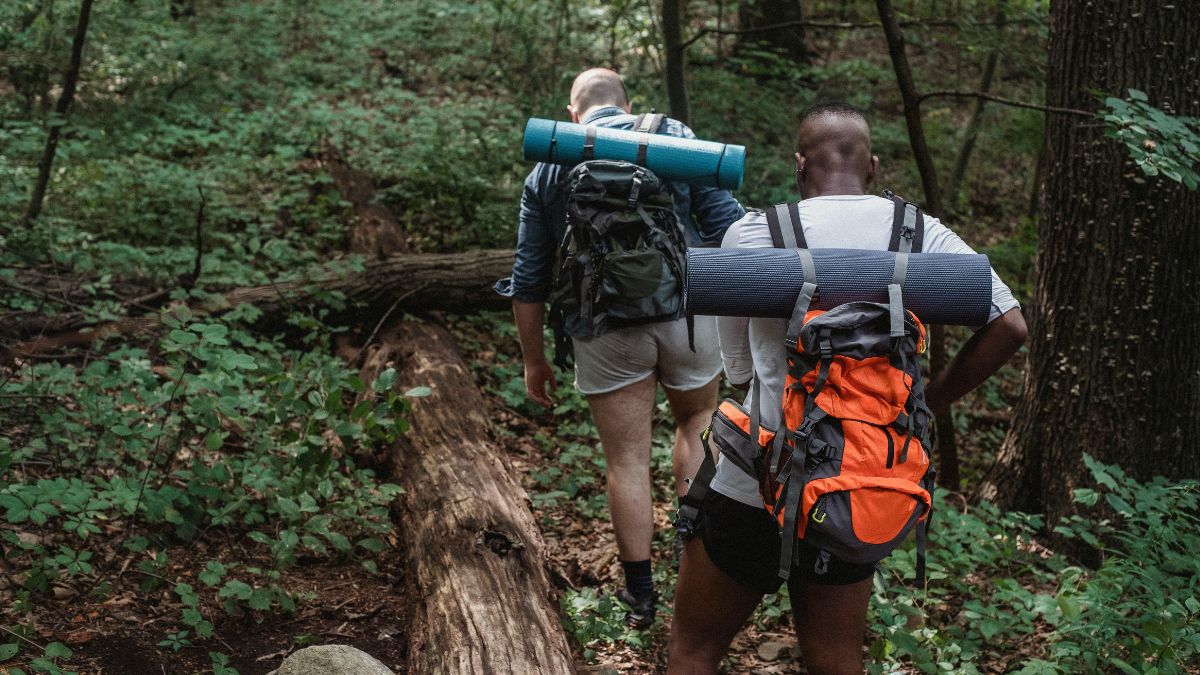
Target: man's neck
{"type": "Point", "coordinates": [831, 184]}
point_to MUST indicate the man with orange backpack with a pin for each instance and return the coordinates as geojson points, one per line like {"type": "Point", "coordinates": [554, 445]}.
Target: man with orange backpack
{"type": "Point", "coordinates": [834, 437]}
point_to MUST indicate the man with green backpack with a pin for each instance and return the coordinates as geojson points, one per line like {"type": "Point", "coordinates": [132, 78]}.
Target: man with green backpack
{"type": "Point", "coordinates": [605, 242]}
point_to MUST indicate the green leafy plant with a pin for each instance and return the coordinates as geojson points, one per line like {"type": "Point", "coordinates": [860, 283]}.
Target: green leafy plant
{"type": "Point", "coordinates": [592, 618]}
{"type": "Point", "coordinates": [1158, 142]}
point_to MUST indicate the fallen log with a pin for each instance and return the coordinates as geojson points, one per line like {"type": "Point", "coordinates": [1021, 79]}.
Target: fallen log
{"type": "Point", "coordinates": [484, 599]}
{"type": "Point", "coordinates": [374, 232]}
{"type": "Point", "coordinates": [455, 282]}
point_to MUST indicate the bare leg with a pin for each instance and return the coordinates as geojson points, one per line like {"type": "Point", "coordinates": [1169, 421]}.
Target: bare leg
{"type": "Point", "coordinates": [623, 419]}
{"type": "Point", "coordinates": [692, 410]}
{"type": "Point", "coordinates": [710, 608]}
{"type": "Point", "coordinates": [830, 622]}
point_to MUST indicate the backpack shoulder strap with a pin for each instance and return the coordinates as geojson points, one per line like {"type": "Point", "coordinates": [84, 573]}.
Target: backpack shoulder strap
{"type": "Point", "coordinates": [784, 223]}
{"type": "Point", "coordinates": [908, 223]}
{"type": "Point", "coordinates": [646, 124]}
{"type": "Point", "coordinates": [649, 123]}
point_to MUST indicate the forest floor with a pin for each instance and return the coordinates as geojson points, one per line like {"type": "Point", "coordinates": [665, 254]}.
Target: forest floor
{"type": "Point", "coordinates": [121, 633]}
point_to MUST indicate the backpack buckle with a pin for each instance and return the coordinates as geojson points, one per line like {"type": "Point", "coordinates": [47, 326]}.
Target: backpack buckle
{"type": "Point", "coordinates": [635, 190]}
{"type": "Point", "coordinates": [805, 429]}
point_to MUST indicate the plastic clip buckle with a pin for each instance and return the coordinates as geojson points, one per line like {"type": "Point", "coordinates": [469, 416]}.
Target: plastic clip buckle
{"type": "Point", "coordinates": [805, 429]}
{"type": "Point", "coordinates": [635, 191]}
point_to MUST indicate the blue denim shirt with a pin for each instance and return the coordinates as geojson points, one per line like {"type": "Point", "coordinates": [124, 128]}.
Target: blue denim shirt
{"type": "Point", "coordinates": [704, 212]}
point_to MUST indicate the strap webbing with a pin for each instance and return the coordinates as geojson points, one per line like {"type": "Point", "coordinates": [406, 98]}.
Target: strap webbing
{"type": "Point", "coordinates": [589, 143]}
{"type": "Point", "coordinates": [896, 295]}
{"type": "Point", "coordinates": [646, 124]}
{"type": "Point", "coordinates": [755, 408]}
{"type": "Point", "coordinates": [804, 300]}
{"type": "Point", "coordinates": [783, 220]}
{"type": "Point", "coordinates": [921, 541]}
{"type": "Point", "coordinates": [908, 226]}
{"type": "Point", "coordinates": [795, 490]}
{"type": "Point", "coordinates": [689, 504]}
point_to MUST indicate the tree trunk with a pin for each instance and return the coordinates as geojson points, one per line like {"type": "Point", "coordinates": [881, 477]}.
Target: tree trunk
{"type": "Point", "coordinates": [485, 603]}
{"type": "Point", "coordinates": [946, 438]}
{"type": "Point", "coordinates": [912, 107]}
{"type": "Point", "coordinates": [787, 41]}
{"type": "Point", "coordinates": [61, 110]}
{"type": "Point", "coordinates": [457, 282]}
{"type": "Point", "coordinates": [672, 18]}
{"type": "Point", "coordinates": [1113, 357]}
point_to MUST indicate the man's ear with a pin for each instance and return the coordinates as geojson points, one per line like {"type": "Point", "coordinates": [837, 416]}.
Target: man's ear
{"type": "Point", "coordinates": [800, 172]}
{"type": "Point", "coordinates": [873, 169]}
{"type": "Point", "coordinates": [628, 107]}
{"type": "Point", "coordinates": [574, 113]}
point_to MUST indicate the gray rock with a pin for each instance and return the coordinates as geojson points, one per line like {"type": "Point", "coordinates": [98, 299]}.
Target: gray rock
{"type": "Point", "coordinates": [332, 660]}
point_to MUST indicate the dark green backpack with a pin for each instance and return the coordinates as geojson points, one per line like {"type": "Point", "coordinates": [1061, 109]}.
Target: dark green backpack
{"type": "Point", "coordinates": [622, 260]}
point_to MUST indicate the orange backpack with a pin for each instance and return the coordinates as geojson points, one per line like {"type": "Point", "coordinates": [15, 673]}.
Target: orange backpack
{"type": "Point", "coordinates": [850, 472]}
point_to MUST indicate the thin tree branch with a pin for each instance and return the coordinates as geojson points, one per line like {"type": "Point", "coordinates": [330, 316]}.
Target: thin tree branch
{"type": "Point", "coordinates": [1004, 101]}
{"type": "Point", "coordinates": [844, 25]}
{"type": "Point", "coordinates": [367, 343]}
{"type": "Point", "coordinates": [61, 110]}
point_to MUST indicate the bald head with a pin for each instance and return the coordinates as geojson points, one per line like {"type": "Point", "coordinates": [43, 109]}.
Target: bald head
{"type": "Point", "coordinates": [833, 151]}
{"type": "Point", "coordinates": [597, 88]}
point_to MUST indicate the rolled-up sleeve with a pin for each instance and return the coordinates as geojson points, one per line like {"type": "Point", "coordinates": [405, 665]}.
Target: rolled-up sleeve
{"type": "Point", "coordinates": [713, 209]}
{"type": "Point", "coordinates": [532, 267]}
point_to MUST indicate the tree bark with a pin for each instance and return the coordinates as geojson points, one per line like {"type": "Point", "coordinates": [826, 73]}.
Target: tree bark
{"type": "Point", "coordinates": [485, 602]}
{"type": "Point", "coordinates": [1113, 359]}
{"type": "Point", "coordinates": [672, 18]}
{"type": "Point", "coordinates": [768, 15]}
{"type": "Point", "coordinates": [61, 110]}
{"type": "Point", "coordinates": [457, 282]}
{"type": "Point", "coordinates": [946, 438]}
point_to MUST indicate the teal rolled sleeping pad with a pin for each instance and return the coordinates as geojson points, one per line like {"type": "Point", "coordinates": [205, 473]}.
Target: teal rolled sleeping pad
{"type": "Point", "coordinates": [684, 160]}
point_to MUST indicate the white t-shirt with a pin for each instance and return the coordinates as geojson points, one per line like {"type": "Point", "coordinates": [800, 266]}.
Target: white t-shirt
{"type": "Point", "coordinates": [755, 346]}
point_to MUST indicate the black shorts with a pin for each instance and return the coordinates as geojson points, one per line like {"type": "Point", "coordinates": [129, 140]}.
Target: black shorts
{"type": "Point", "coordinates": [743, 542]}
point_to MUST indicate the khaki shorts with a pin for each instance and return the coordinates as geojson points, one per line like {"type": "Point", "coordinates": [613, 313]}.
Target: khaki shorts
{"type": "Point", "coordinates": [623, 356]}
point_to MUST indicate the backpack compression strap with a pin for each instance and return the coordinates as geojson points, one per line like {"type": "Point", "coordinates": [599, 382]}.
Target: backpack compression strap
{"type": "Point", "coordinates": [908, 221]}
{"type": "Point", "coordinates": [908, 236]}
{"type": "Point", "coordinates": [646, 124]}
{"type": "Point", "coordinates": [589, 143]}
{"type": "Point", "coordinates": [784, 223]}
{"type": "Point", "coordinates": [788, 232]}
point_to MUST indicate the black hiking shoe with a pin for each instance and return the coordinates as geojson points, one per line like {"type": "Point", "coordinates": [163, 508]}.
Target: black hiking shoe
{"type": "Point", "coordinates": [641, 610]}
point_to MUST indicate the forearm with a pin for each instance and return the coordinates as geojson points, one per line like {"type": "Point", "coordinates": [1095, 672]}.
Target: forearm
{"type": "Point", "coordinates": [736, 357]}
{"type": "Point", "coordinates": [529, 317]}
{"type": "Point", "coordinates": [985, 353]}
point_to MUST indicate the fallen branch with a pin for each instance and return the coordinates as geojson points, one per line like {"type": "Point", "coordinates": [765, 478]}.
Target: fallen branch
{"type": "Point", "coordinates": [844, 25]}
{"type": "Point", "coordinates": [456, 282]}
{"type": "Point", "coordinates": [1005, 101]}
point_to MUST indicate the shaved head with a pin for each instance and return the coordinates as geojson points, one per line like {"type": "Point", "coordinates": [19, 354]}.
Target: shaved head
{"type": "Point", "coordinates": [833, 147]}
{"type": "Point", "coordinates": [597, 88]}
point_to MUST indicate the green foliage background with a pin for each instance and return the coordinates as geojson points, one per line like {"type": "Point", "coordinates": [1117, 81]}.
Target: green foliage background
{"type": "Point", "coordinates": [176, 438]}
